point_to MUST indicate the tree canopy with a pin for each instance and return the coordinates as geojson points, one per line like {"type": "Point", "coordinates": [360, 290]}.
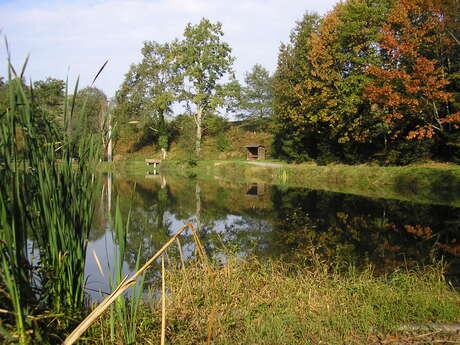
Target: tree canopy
{"type": "Point", "coordinates": [148, 92]}
{"type": "Point", "coordinates": [256, 96]}
{"type": "Point", "coordinates": [204, 62]}
{"type": "Point", "coordinates": [372, 80]}
{"type": "Point", "coordinates": [369, 80]}
{"type": "Point", "coordinates": [90, 115]}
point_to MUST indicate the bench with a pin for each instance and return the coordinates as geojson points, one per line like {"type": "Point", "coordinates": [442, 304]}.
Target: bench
{"type": "Point", "coordinates": [155, 162]}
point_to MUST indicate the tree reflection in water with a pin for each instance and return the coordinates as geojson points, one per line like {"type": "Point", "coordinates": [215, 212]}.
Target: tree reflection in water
{"type": "Point", "coordinates": [296, 224]}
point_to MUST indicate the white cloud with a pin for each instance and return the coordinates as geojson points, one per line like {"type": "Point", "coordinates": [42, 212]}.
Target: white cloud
{"type": "Point", "coordinates": [83, 34]}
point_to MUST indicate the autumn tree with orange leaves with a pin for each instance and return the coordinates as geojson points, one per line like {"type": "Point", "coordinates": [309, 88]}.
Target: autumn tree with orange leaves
{"type": "Point", "coordinates": [379, 80]}
{"type": "Point", "coordinates": [328, 118]}
{"type": "Point", "coordinates": [410, 87]}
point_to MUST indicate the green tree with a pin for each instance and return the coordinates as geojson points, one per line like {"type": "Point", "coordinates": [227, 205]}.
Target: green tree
{"type": "Point", "coordinates": [292, 139]}
{"type": "Point", "coordinates": [183, 129]}
{"type": "Point", "coordinates": [257, 96]}
{"type": "Point", "coordinates": [94, 102]}
{"type": "Point", "coordinates": [149, 91]}
{"type": "Point", "coordinates": [90, 117]}
{"type": "Point", "coordinates": [450, 148]}
{"type": "Point", "coordinates": [204, 62]}
{"type": "Point", "coordinates": [48, 98]}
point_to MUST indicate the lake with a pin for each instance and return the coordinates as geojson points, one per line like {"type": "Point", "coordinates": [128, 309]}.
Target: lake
{"type": "Point", "coordinates": [297, 225]}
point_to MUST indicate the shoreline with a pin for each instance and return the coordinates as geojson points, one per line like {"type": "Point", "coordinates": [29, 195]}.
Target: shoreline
{"type": "Point", "coordinates": [438, 184]}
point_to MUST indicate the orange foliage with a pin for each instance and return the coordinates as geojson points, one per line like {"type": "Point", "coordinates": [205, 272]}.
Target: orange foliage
{"type": "Point", "coordinates": [411, 81]}
{"type": "Point", "coordinates": [453, 250]}
{"type": "Point", "coordinates": [424, 232]}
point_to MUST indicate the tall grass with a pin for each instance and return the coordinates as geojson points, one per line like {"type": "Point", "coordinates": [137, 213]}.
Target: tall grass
{"type": "Point", "coordinates": [245, 301]}
{"type": "Point", "coordinates": [47, 202]}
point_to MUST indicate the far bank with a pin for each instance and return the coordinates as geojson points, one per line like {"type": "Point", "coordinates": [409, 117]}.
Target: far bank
{"type": "Point", "coordinates": [425, 183]}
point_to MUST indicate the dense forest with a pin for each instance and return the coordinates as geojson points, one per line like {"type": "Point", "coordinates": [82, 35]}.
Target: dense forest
{"type": "Point", "coordinates": [371, 81]}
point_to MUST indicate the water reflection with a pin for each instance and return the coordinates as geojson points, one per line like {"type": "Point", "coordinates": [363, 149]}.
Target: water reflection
{"type": "Point", "coordinates": [255, 189]}
{"type": "Point", "coordinates": [270, 221]}
{"type": "Point", "coordinates": [386, 233]}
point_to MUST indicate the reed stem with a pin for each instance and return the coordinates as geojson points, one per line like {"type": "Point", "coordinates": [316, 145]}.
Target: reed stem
{"type": "Point", "coordinates": [163, 301]}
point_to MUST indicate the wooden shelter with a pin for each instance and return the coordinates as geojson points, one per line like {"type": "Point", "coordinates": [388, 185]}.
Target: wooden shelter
{"type": "Point", "coordinates": [255, 152]}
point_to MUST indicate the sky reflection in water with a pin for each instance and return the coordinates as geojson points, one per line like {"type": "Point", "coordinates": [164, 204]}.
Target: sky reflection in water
{"type": "Point", "coordinates": [297, 224]}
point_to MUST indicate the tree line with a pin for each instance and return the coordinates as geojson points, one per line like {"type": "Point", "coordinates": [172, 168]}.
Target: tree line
{"type": "Point", "coordinates": [371, 81]}
{"type": "Point", "coordinates": [50, 97]}
{"type": "Point", "coordinates": [195, 74]}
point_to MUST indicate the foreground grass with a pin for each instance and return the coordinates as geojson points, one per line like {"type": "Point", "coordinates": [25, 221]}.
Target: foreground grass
{"type": "Point", "coordinates": [249, 302]}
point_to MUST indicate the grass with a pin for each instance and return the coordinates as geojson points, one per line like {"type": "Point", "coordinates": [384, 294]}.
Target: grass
{"type": "Point", "coordinates": [48, 201]}
{"type": "Point", "coordinates": [253, 302]}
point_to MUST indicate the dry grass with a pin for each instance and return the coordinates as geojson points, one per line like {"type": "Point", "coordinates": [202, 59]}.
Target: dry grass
{"type": "Point", "coordinates": [249, 302]}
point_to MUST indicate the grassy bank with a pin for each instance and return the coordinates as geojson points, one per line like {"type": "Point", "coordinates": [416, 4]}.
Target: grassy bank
{"type": "Point", "coordinates": [249, 302]}
{"type": "Point", "coordinates": [227, 144]}
{"type": "Point", "coordinates": [431, 184]}
{"type": "Point", "coordinates": [416, 183]}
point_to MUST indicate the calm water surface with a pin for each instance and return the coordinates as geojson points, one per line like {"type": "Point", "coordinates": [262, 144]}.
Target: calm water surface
{"type": "Point", "coordinates": [297, 224]}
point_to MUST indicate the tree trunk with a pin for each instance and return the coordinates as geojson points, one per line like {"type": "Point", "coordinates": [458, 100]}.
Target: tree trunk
{"type": "Point", "coordinates": [109, 146]}
{"type": "Point", "coordinates": [198, 120]}
{"type": "Point", "coordinates": [109, 193]}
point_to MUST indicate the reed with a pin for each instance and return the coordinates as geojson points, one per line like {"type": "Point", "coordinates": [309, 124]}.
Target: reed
{"type": "Point", "coordinates": [46, 208]}
{"type": "Point", "coordinates": [163, 302]}
{"type": "Point", "coordinates": [124, 312]}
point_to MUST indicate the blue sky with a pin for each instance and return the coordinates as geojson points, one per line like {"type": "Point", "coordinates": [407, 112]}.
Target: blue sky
{"type": "Point", "coordinates": [70, 38]}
